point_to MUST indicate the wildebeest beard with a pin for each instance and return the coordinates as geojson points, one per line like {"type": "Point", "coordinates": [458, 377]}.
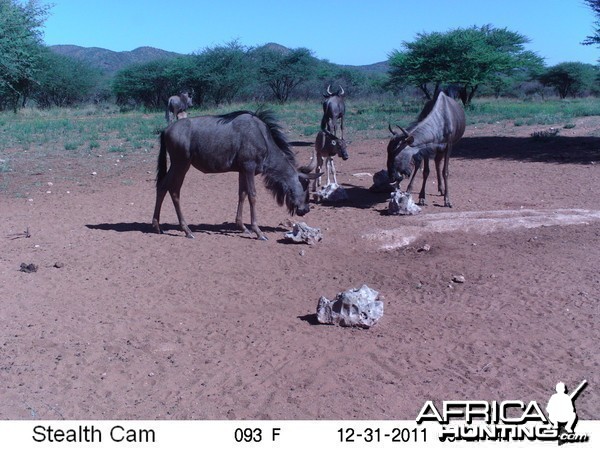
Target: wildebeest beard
{"type": "Point", "coordinates": [281, 191]}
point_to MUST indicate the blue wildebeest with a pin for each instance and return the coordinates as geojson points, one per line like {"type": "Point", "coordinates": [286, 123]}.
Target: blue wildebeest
{"type": "Point", "coordinates": [244, 142]}
{"type": "Point", "coordinates": [438, 128]}
{"type": "Point", "coordinates": [327, 145]}
{"type": "Point", "coordinates": [177, 106]}
{"type": "Point", "coordinates": [334, 108]}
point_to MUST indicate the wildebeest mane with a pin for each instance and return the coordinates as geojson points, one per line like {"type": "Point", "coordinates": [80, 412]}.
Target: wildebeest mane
{"type": "Point", "coordinates": [268, 118]}
{"type": "Point", "coordinates": [273, 180]}
{"type": "Point", "coordinates": [427, 108]}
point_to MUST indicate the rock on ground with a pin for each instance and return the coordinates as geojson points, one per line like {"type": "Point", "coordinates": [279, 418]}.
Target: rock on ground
{"type": "Point", "coordinates": [302, 233]}
{"type": "Point", "coordinates": [332, 192]}
{"type": "Point", "coordinates": [401, 203]}
{"type": "Point", "coordinates": [355, 307]}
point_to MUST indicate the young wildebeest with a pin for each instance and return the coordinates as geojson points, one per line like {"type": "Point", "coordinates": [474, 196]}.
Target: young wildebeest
{"type": "Point", "coordinates": [177, 106]}
{"type": "Point", "coordinates": [244, 142]}
{"type": "Point", "coordinates": [327, 145]}
{"type": "Point", "coordinates": [334, 108]}
{"type": "Point", "coordinates": [440, 125]}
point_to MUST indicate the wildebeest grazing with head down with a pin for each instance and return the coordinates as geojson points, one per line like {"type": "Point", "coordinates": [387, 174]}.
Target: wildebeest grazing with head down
{"type": "Point", "coordinates": [439, 127]}
{"type": "Point", "coordinates": [327, 145]}
{"type": "Point", "coordinates": [334, 109]}
{"type": "Point", "coordinates": [177, 106]}
{"type": "Point", "coordinates": [244, 142]}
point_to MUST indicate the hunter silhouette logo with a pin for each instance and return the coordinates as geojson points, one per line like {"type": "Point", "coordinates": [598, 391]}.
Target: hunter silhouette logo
{"type": "Point", "coordinates": [561, 409]}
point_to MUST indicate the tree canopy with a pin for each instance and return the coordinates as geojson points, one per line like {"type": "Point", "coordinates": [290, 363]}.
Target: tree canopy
{"type": "Point", "coordinates": [570, 78]}
{"type": "Point", "coordinates": [20, 47]}
{"type": "Point", "coordinates": [465, 58]}
{"type": "Point", "coordinates": [594, 39]}
{"type": "Point", "coordinates": [283, 71]}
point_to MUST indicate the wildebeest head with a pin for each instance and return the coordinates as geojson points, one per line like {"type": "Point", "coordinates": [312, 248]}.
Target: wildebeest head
{"type": "Point", "coordinates": [340, 92]}
{"type": "Point", "coordinates": [397, 167]}
{"type": "Point", "coordinates": [335, 145]}
{"type": "Point", "coordinates": [297, 200]}
{"type": "Point", "coordinates": [186, 98]}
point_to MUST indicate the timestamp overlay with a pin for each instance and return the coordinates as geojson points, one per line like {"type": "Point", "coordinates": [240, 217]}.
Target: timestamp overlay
{"type": "Point", "coordinates": [242, 434]}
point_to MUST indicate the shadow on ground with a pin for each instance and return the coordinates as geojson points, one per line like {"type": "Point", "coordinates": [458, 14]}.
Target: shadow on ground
{"type": "Point", "coordinates": [557, 149]}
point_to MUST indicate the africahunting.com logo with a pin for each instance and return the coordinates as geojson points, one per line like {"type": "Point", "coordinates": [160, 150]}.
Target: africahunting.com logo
{"type": "Point", "coordinates": [509, 420]}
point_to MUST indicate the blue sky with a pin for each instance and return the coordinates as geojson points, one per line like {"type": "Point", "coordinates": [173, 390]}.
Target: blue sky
{"type": "Point", "coordinates": [344, 32]}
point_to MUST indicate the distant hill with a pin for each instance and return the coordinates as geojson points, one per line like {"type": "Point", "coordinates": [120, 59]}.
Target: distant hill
{"type": "Point", "coordinates": [110, 61]}
{"type": "Point", "coordinates": [380, 67]}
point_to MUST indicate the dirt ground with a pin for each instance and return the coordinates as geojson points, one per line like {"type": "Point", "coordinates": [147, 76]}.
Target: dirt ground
{"type": "Point", "coordinates": [122, 323]}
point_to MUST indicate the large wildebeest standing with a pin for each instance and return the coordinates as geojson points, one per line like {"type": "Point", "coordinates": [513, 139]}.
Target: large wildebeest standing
{"type": "Point", "coordinates": [177, 106]}
{"type": "Point", "coordinates": [327, 145]}
{"type": "Point", "coordinates": [242, 141]}
{"type": "Point", "coordinates": [440, 125]}
{"type": "Point", "coordinates": [334, 109]}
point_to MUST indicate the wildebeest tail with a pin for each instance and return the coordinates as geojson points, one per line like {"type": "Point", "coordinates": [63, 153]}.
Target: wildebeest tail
{"type": "Point", "coordinates": [161, 166]}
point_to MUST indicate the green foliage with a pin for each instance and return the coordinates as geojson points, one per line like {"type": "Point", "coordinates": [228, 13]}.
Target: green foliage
{"type": "Point", "coordinates": [548, 112]}
{"type": "Point", "coordinates": [223, 72]}
{"type": "Point", "coordinates": [231, 72]}
{"type": "Point", "coordinates": [146, 84]}
{"type": "Point", "coordinates": [62, 81]}
{"type": "Point", "coordinates": [283, 71]}
{"type": "Point", "coordinates": [465, 58]}
{"type": "Point", "coordinates": [20, 47]}
{"type": "Point", "coordinates": [571, 78]}
{"type": "Point", "coordinates": [594, 39]}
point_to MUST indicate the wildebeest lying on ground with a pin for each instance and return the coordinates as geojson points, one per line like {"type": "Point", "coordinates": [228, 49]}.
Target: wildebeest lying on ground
{"type": "Point", "coordinates": [177, 106]}
{"type": "Point", "coordinates": [327, 145]}
{"type": "Point", "coordinates": [242, 141]}
{"type": "Point", "coordinates": [440, 125]}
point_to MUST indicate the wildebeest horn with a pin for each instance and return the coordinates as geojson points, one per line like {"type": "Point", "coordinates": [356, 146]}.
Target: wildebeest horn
{"type": "Point", "coordinates": [341, 90]}
{"type": "Point", "coordinates": [390, 128]}
{"type": "Point", "coordinates": [329, 90]}
{"type": "Point", "coordinates": [312, 165]}
{"type": "Point", "coordinates": [329, 133]}
{"type": "Point", "coordinates": [403, 130]}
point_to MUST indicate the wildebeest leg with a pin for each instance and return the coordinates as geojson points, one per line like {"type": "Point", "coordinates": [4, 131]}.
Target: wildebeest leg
{"type": "Point", "coordinates": [333, 170]}
{"type": "Point", "coordinates": [174, 190]}
{"type": "Point", "coordinates": [242, 194]}
{"type": "Point", "coordinates": [445, 174]}
{"type": "Point", "coordinates": [247, 181]}
{"type": "Point", "coordinates": [425, 175]}
{"type": "Point", "coordinates": [161, 191]}
{"type": "Point", "coordinates": [172, 184]}
{"type": "Point", "coordinates": [317, 181]}
{"type": "Point", "coordinates": [342, 126]}
{"type": "Point", "coordinates": [438, 161]}
{"type": "Point", "coordinates": [412, 179]}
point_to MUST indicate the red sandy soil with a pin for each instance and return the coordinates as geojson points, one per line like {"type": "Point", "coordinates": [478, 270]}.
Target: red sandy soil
{"type": "Point", "coordinates": [136, 325]}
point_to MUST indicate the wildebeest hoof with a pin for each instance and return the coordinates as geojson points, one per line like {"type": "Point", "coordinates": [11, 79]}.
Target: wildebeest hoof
{"type": "Point", "coordinates": [262, 238]}
{"type": "Point", "coordinates": [190, 236]}
{"type": "Point", "coordinates": [422, 202]}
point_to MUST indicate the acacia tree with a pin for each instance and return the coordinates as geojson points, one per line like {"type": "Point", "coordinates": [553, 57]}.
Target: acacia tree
{"type": "Point", "coordinates": [222, 71]}
{"type": "Point", "coordinates": [283, 70]}
{"type": "Point", "coordinates": [466, 58]}
{"type": "Point", "coordinates": [594, 39]}
{"type": "Point", "coordinates": [147, 84]}
{"type": "Point", "coordinates": [20, 48]}
{"type": "Point", "coordinates": [570, 78]}
{"type": "Point", "coordinates": [63, 81]}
